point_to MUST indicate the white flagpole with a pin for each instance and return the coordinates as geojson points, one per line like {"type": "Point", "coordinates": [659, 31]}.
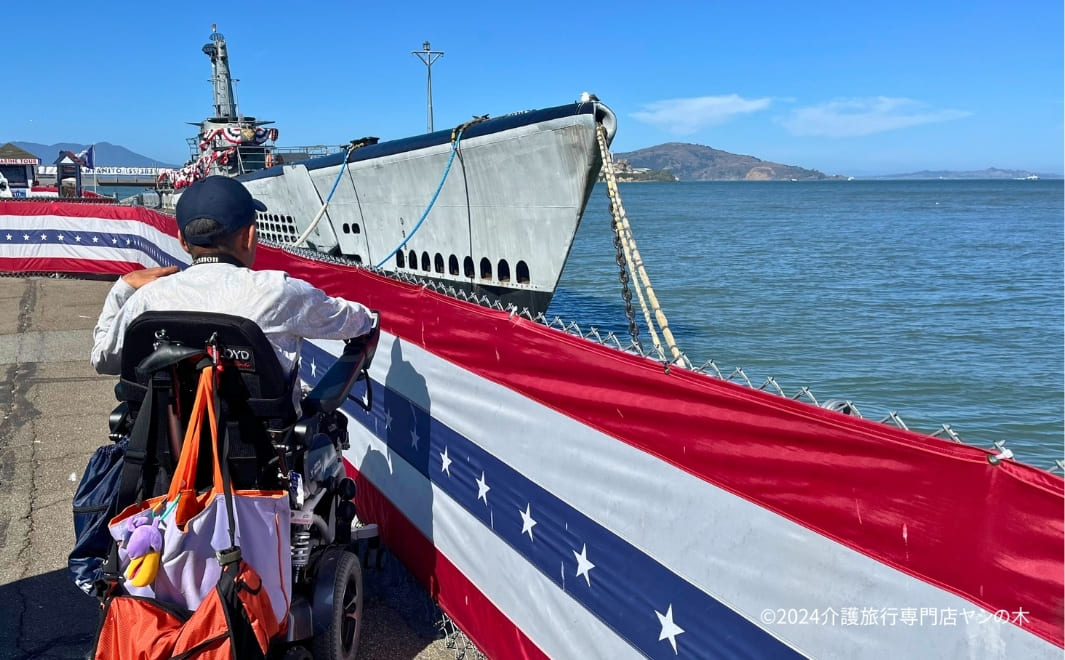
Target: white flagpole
{"type": "Point", "coordinates": [95, 185]}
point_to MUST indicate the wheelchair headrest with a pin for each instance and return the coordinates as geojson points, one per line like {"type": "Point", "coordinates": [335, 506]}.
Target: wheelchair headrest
{"type": "Point", "coordinates": [185, 335]}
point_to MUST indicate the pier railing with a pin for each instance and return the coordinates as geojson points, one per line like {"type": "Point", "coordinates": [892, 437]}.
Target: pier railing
{"type": "Point", "coordinates": [107, 176]}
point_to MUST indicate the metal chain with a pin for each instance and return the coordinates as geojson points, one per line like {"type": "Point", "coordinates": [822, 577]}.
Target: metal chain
{"type": "Point", "coordinates": [646, 295]}
{"type": "Point", "coordinates": [619, 244]}
{"type": "Point", "coordinates": [623, 277]}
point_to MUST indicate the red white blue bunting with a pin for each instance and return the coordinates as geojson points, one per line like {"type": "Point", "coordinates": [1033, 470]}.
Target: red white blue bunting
{"type": "Point", "coordinates": [602, 507]}
{"type": "Point", "coordinates": [563, 499]}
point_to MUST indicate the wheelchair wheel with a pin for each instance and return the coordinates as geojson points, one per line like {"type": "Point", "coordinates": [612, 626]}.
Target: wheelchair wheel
{"type": "Point", "coordinates": [296, 652]}
{"type": "Point", "coordinates": [339, 638]}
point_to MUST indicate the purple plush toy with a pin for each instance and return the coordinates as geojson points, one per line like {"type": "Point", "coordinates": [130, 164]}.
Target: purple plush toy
{"type": "Point", "coordinates": [144, 545]}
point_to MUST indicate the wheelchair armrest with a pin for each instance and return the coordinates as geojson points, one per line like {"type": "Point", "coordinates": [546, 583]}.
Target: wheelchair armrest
{"type": "Point", "coordinates": [119, 422]}
{"type": "Point", "coordinates": [350, 367]}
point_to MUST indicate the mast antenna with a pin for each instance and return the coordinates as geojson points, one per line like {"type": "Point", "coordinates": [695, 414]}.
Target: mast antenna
{"type": "Point", "coordinates": [428, 56]}
{"type": "Point", "coordinates": [225, 99]}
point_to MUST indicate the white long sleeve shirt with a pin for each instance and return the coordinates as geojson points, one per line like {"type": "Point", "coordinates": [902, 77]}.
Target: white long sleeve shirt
{"type": "Point", "coordinates": [285, 308]}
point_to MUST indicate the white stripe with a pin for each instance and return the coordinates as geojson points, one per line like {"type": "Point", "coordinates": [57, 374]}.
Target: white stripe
{"type": "Point", "coordinates": [740, 553]}
{"type": "Point", "coordinates": [557, 624]}
{"type": "Point", "coordinates": [99, 252]}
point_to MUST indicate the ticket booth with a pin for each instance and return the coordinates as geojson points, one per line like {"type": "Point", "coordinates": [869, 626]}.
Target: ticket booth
{"type": "Point", "coordinates": [68, 174]}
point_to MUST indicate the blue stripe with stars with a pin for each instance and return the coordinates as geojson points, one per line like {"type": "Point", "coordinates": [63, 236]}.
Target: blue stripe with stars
{"type": "Point", "coordinates": [641, 600]}
{"type": "Point", "coordinates": [83, 238]}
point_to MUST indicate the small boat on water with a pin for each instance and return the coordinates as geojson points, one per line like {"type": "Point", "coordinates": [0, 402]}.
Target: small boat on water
{"type": "Point", "coordinates": [488, 208]}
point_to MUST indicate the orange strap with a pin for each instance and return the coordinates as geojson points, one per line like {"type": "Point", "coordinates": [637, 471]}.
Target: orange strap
{"type": "Point", "coordinates": [185, 472]}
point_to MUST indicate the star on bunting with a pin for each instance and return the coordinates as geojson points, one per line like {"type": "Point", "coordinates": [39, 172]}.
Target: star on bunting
{"type": "Point", "coordinates": [670, 630]}
{"type": "Point", "coordinates": [527, 522]}
{"type": "Point", "coordinates": [445, 462]}
{"type": "Point", "coordinates": [482, 489]}
{"type": "Point", "coordinates": [583, 565]}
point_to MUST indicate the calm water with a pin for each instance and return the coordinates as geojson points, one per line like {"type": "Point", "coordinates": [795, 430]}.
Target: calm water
{"type": "Point", "coordinates": [941, 300]}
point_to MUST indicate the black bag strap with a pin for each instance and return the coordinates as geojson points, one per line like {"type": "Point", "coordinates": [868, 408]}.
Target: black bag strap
{"type": "Point", "coordinates": [137, 450]}
{"type": "Point", "coordinates": [232, 554]}
{"type": "Point", "coordinates": [133, 462]}
{"type": "Point", "coordinates": [166, 399]}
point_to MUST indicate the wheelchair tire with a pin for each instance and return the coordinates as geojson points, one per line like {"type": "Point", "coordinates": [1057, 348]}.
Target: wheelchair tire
{"type": "Point", "coordinates": [339, 640]}
{"type": "Point", "coordinates": [295, 652]}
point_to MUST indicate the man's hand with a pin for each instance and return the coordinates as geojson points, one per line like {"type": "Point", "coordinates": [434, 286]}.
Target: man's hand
{"type": "Point", "coordinates": [139, 278]}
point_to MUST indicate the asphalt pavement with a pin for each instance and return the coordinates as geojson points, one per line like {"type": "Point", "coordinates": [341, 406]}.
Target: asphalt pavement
{"type": "Point", "coordinates": [53, 415]}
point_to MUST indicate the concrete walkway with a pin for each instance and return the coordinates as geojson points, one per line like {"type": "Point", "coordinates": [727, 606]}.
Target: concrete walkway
{"type": "Point", "coordinates": [53, 415]}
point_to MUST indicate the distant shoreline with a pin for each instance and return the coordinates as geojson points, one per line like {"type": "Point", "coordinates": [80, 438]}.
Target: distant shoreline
{"type": "Point", "coordinates": [857, 179]}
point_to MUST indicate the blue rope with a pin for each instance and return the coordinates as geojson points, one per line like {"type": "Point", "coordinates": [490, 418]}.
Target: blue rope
{"type": "Point", "coordinates": [454, 148]}
{"type": "Point", "coordinates": [340, 173]}
{"type": "Point", "coordinates": [321, 211]}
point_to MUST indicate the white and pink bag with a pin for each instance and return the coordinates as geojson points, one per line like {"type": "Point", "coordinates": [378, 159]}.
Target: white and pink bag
{"type": "Point", "coordinates": [175, 557]}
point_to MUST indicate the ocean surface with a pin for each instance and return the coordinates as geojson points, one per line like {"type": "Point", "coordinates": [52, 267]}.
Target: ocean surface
{"type": "Point", "coordinates": [938, 300]}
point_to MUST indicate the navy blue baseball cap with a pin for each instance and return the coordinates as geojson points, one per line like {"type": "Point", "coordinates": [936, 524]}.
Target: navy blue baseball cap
{"type": "Point", "coordinates": [218, 198]}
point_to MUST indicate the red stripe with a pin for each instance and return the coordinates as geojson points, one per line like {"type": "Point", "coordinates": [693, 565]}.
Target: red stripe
{"type": "Point", "coordinates": [164, 223]}
{"type": "Point", "coordinates": [486, 626]}
{"type": "Point", "coordinates": [933, 509]}
{"type": "Point", "coordinates": [66, 265]}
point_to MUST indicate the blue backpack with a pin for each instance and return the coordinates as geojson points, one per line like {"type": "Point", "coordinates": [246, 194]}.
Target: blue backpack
{"type": "Point", "coordinates": [95, 503]}
{"type": "Point", "coordinates": [114, 478]}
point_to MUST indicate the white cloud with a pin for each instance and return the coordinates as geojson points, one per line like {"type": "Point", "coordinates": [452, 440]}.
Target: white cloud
{"type": "Point", "coordinates": [864, 116]}
{"type": "Point", "coordinates": [686, 116]}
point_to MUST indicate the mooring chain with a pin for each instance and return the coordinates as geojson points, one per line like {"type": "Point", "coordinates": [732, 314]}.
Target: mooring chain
{"type": "Point", "coordinates": [619, 244]}
{"type": "Point", "coordinates": [623, 277]}
{"type": "Point", "coordinates": [632, 258]}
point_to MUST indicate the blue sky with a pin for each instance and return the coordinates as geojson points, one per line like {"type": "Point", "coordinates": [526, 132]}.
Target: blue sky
{"type": "Point", "coordinates": [849, 88]}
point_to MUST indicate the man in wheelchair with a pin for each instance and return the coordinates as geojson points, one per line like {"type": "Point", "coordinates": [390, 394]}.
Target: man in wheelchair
{"type": "Point", "coordinates": [216, 218]}
{"type": "Point", "coordinates": [159, 327]}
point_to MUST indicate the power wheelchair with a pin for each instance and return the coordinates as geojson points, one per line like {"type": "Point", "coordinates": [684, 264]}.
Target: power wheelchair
{"type": "Point", "coordinates": [273, 445]}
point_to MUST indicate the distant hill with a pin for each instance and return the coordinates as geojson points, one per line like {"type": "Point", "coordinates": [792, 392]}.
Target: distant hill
{"type": "Point", "coordinates": [695, 162]}
{"type": "Point", "coordinates": [107, 154]}
{"type": "Point", "coordinates": [989, 173]}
